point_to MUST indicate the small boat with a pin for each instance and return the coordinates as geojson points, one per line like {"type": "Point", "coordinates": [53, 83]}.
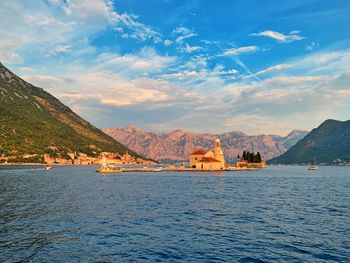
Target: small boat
{"type": "Point", "coordinates": [158, 170]}
{"type": "Point", "coordinates": [48, 167]}
{"type": "Point", "coordinates": [312, 167]}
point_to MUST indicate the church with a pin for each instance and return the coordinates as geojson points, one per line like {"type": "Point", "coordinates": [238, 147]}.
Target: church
{"type": "Point", "coordinates": [210, 160]}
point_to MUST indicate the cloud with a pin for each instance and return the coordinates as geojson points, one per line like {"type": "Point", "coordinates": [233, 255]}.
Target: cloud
{"type": "Point", "coordinates": [269, 69]}
{"type": "Point", "coordinates": [182, 33]}
{"type": "Point", "coordinates": [147, 60]}
{"type": "Point", "coordinates": [240, 50]}
{"type": "Point", "coordinates": [95, 11]}
{"type": "Point", "coordinates": [189, 49]}
{"type": "Point", "coordinates": [62, 49]}
{"type": "Point", "coordinates": [112, 90]}
{"type": "Point", "coordinates": [10, 57]}
{"type": "Point", "coordinates": [167, 42]}
{"type": "Point", "coordinates": [58, 27]}
{"type": "Point", "coordinates": [136, 30]}
{"type": "Point", "coordinates": [100, 11]}
{"type": "Point", "coordinates": [292, 36]}
{"type": "Point", "coordinates": [227, 72]}
{"type": "Point", "coordinates": [284, 80]}
{"type": "Point", "coordinates": [163, 88]}
{"type": "Point", "coordinates": [256, 124]}
{"type": "Point", "coordinates": [274, 105]}
{"type": "Point", "coordinates": [180, 75]}
{"type": "Point", "coordinates": [312, 46]}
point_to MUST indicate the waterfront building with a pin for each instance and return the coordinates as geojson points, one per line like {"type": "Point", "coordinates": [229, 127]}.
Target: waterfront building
{"type": "Point", "coordinates": [210, 160]}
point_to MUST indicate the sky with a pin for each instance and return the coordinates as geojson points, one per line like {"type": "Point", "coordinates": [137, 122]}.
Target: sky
{"type": "Point", "coordinates": [261, 67]}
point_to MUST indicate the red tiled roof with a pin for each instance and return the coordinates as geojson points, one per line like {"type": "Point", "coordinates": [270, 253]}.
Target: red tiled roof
{"type": "Point", "coordinates": [198, 152]}
{"type": "Point", "coordinates": [209, 160]}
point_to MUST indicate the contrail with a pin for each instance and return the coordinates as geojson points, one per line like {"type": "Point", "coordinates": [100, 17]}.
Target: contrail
{"type": "Point", "coordinates": [239, 63]}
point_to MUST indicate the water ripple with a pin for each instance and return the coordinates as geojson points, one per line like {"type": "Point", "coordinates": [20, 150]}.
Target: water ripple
{"type": "Point", "coordinates": [72, 214]}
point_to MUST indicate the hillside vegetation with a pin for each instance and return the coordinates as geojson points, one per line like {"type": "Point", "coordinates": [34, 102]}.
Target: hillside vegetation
{"type": "Point", "coordinates": [329, 143]}
{"type": "Point", "coordinates": [34, 122]}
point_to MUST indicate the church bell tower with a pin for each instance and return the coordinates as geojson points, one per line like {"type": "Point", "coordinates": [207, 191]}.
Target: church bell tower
{"type": "Point", "coordinates": [218, 153]}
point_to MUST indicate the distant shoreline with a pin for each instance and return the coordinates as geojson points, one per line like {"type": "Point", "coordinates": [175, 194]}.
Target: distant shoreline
{"type": "Point", "coordinates": [43, 164]}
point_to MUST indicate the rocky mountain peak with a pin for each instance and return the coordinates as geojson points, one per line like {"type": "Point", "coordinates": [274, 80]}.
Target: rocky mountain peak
{"type": "Point", "coordinates": [133, 129]}
{"type": "Point", "coordinates": [178, 144]}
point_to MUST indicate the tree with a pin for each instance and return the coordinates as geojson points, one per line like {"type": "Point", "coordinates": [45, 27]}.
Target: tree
{"type": "Point", "coordinates": [238, 157]}
{"type": "Point", "coordinates": [245, 155]}
{"type": "Point", "coordinates": [255, 158]}
{"type": "Point", "coordinates": [258, 157]}
{"type": "Point", "coordinates": [249, 157]}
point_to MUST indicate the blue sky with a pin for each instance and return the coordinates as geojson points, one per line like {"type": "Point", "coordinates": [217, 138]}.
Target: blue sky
{"type": "Point", "coordinates": [210, 66]}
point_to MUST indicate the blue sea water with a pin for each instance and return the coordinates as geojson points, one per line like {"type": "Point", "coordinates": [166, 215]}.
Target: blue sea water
{"type": "Point", "coordinates": [72, 214]}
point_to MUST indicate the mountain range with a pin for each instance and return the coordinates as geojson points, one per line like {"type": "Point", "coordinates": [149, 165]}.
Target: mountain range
{"type": "Point", "coordinates": [329, 144]}
{"type": "Point", "coordinates": [178, 144]}
{"type": "Point", "coordinates": [32, 121]}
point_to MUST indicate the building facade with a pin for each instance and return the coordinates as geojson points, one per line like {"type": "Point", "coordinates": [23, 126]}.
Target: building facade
{"type": "Point", "coordinates": [210, 160]}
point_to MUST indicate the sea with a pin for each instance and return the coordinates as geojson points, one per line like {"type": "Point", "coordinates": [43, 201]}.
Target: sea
{"type": "Point", "coordinates": [73, 214]}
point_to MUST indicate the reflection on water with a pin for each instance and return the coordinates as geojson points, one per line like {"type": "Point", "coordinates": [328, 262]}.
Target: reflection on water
{"type": "Point", "coordinates": [72, 214]}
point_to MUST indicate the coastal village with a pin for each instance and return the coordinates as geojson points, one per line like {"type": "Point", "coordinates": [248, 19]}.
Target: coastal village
{"type": "Point", "coordinates": [198, 160]}
{"type": "Point", "coordinates": [78, 158]}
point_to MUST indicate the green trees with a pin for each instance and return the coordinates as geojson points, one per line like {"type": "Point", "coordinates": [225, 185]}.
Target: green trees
{"type": "Point", "coordinates": [34, 122]}
{"type": "Point", "coordinates": [251, 157]}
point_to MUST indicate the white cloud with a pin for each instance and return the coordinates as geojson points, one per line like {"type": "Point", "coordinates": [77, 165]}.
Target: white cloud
{"type": "Point", "coordinates": [97, 11]}
{"type": "Point", "coordinates": [180, 39]}
{"type": "Point", "coordinates": [182, 33]}
{"type": "Point", "coordinates": [227, 72]}
{"type": "Point", "coordinates": [292, 36]}
{"type": "Point", "coordinates": [62, 49]}
{"type": "Point", "coordinates": [181, 75]}
{"type": "Point", "coordinates": [284, 80]}
{"type": "Point", "coordinates": [201, 97]}
{"type": "Point", "coordinates": [312, 46]}
{"type": "Point", "coordinates": [274, 105]}
{"type": "Point", "coordinates": [167, 42]}
{"type": "Point", "coordinates": [49, 28]}
{"type": "Point", "coordinates": [136, 30]}
{"type": "Point", "coordinates": [189, 49]}
{"type": "Point", "coordinates": [255, 124]}
{"type": "Point", "coordinates": [145, 61]}
{"type": "Point", "coordinates": [240, 50]}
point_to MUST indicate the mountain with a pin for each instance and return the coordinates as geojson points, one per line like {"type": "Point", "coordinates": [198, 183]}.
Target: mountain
{"type": "Point", "coordinates": [34, 122]}
{"type": "Point", "coordinates": [328, 143]}
{"type": "Point", "coordinates": [178, 144]}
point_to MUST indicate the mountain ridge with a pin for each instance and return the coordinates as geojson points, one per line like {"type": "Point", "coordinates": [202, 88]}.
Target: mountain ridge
{"type": "Point", "coordinates": [177, 144]}
{"type": "Point", "coordinates": [329, 143]}
{"type": "Point", "coordinates": [32, 121]}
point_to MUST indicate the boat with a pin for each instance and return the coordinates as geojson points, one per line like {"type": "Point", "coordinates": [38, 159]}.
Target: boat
{"type": "Point", "coordinates": [158, 170]}
{"type": "Point", "coordinates": [48, 167]}
{"type": "Point", "coordinates": [312, 167]}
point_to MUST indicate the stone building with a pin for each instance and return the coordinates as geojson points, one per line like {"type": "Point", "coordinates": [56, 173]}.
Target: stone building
{"type": "Point", "coordinates": [210, 160]}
